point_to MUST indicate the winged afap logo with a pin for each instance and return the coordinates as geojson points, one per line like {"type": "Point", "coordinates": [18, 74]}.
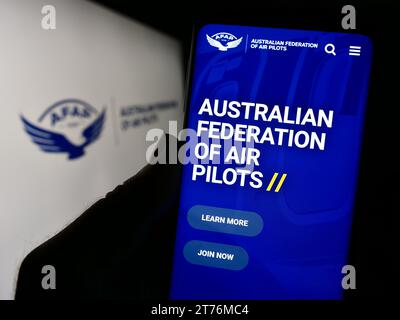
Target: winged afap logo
{"type": "Point", "coordinates": [72, 125]}
{"type": "Point", "coordinates": [223, 41]}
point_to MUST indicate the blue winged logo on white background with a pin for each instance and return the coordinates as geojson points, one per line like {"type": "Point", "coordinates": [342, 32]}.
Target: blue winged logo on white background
{"type": "Point", "coordinates": [223, 41]}
{"type": "Point", "coordinates": [51, 141]}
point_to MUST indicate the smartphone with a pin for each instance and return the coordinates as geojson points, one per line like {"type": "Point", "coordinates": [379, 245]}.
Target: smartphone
{"type": "Point", "coordinates": [275, 120]}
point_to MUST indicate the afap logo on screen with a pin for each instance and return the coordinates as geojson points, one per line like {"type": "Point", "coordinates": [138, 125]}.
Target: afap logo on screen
{"type": "Point", "coordinates": [68, 126]}
{"type": "Point", "coordinates": [223, 41]}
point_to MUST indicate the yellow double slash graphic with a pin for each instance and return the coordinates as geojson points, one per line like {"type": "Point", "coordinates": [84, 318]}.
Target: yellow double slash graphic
{"type": "Point", "coordinates": [271, 183]}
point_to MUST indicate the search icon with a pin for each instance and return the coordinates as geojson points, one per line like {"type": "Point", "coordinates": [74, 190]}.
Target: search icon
{"type": "Point", "coordinates": [330, 49]}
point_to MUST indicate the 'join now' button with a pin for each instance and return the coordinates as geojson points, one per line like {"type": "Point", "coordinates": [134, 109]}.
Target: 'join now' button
{"type": "Point", "coordinates": [216, 255]}
{"type": "Point", "coordinates": [244, 223]}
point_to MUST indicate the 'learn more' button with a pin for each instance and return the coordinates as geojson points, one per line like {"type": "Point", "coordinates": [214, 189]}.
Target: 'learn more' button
{"type": "Point", "coordinates": [216, 255]}
{"type": "Point", "coordinates": [244, 223]}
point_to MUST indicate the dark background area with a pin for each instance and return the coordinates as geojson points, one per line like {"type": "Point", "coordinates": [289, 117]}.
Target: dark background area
{"type": "Point", "coordinates": [373, 239]}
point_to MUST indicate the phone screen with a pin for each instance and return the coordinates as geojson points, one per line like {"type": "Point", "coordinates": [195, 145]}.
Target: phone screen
{"type": "Point", "coordinates": [275, 120]}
